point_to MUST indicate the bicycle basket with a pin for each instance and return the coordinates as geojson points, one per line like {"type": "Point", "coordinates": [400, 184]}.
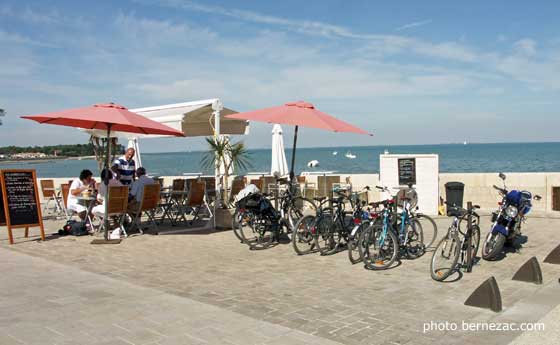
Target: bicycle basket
{"type": "Point", "coordinates": [407, 194]}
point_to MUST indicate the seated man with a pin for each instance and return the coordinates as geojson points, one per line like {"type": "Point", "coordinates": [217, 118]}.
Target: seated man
{"type": "Point", "coordinates": [83, 183]}
{"type": "Point", "coordinates": [99, 210]}
{"type": "Point", "coordinates": [137, 190]}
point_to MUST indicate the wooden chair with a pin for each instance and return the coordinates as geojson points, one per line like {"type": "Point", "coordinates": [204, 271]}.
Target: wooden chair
{"type": "Point", "coordinates": [325, 185]}
{"type": "Point", "coordinates": [178, 184]}
{"type": "Point", "coordinates": [258, 183]}
{"type": "Point", "coordinates": [196, 199]}
{"type": "Point", "coordinates": [170, 206]}
{"type": "Point", "coordinates": [159, 180]}
{"type": "Point", "coordinates": [210, 188]}
{"type": "Point", "coordinates": [148, 205]}
{"type": "Point", "coordinates": [236, 186]}
{"type": "Point", "coordinates": [269, 184]}
{"type": "Point", "coordinates": [49, 193]}
{"type": "Point", "coordinates": [65, 191]}
{"type": "Point", "coordinates": [117, 204]}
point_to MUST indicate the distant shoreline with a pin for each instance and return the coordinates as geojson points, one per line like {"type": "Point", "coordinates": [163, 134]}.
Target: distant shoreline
{"type": "Point", "coordinates": [44, 160]}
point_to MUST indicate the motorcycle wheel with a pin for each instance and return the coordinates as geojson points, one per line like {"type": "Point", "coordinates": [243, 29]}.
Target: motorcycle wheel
{"type": "Point", "coordinates": [493, 245]}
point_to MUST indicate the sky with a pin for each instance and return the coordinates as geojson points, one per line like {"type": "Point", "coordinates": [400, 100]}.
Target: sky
{"type": "Point", "coordinates": [410, 72]}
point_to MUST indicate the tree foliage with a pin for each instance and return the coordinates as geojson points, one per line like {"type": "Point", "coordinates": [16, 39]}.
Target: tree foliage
{"type": "Point", "coordinates": [62, 150]}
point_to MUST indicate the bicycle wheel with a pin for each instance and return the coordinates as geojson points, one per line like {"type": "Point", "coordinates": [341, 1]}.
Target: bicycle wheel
{"type": "Point", "coordinates": [378, 248]}
{"type": "Point", "coordinates": [414, 246]}
{"type": "Point", "coordinates": [445, 257]}
{"type": "Point", "coordinates": [302, 235]}
{"type": "Point", "coordinates": [256, 232]}
{"type": "Point", "coordinates": [429, 228]}
{"type": "Point", "coordinates": [299, 208]}
{"type": "Point", "coordinates": [325, 228]}
{"type": "Point", "coordinates": [237, 220]}
{"type": "Point", "coordinates": [475, 242]}
{"type": "Point", "coordinates": [354, 241]}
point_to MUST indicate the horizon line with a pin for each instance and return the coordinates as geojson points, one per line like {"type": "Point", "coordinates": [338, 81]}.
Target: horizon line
{"type": "Point", "coordinates": [381, 145]}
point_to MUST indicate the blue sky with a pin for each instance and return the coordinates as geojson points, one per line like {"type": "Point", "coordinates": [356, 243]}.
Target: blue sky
{"type": "Point", "coordinates": [413, 72]}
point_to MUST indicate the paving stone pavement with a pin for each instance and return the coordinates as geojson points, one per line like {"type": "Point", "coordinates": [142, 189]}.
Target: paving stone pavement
{"type": "Point", "coordinates": [321, 296]}
{"type": "Point", "coordinates": [48, 303]}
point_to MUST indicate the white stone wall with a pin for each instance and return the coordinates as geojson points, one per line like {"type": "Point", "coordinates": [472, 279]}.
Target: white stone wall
{"type": "Point", "coordinates": [478, 186]}
{"type": "Point", "coordinates": [426, 170]}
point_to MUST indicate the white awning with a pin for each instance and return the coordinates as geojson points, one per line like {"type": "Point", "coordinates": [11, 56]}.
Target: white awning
{"type": "Point", "coordinates": [194, 119]}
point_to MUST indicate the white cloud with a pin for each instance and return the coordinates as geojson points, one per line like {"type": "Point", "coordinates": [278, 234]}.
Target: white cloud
{"type": "Point", "coordinates": [389, 43]}
{"type": "Point", "coordinates": [46, 18]}
{"type": "Point", "coordinates": [15, 38]}
{"type": "Point", "coordinates": [413, 25]}
{"type": "Point", "coordinates": [525, 46]}
{"type": "Point", "coordinates": [181, 89]}
{"type": "Point", "coordinates": [140, 60]}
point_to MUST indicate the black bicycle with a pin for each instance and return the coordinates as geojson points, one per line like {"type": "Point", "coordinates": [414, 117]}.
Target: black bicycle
{"type": "Point", "coordinates": [460, 243]}
{"type": "Point", "coordinates": [258, 223]}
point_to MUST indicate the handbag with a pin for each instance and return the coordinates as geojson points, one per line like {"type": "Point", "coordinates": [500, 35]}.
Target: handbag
{"type": "Point", "coordinates": [73, 227]}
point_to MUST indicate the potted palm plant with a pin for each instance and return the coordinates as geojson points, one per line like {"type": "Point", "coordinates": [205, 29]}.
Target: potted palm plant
{"type": "Point", "coordinates": [227, 158]}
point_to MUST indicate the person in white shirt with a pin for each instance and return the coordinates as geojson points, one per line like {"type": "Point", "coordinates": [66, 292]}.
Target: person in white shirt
{"type": "Point", "coordinates": [137, 189]}
{"type": "Point", "coordinates": [99, 210]}
{"type": "Point", "coordinates": [79, 185]}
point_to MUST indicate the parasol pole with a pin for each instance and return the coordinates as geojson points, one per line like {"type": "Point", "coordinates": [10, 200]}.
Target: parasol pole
{"type": "Point", "coordinates": [106, 182]}
{"type": "Point", "coordinates": [292, 175]}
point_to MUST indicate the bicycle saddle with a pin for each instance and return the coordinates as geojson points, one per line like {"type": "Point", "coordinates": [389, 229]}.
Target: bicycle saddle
{"type": "Point", "coordinates": [319, 198]}
{"type": "Point", "coordinates": [456, 212]}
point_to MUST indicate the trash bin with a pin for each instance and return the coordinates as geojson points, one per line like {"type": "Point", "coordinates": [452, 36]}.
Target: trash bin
{"type": "Point", "coordinates": [454, 192]}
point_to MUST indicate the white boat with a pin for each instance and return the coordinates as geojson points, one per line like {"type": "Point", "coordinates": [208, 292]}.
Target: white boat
{"type": "Point", "coordinates": [350, 155]}
{"type": "Point", "coordinates": [465, 142]}
{"type": "Point", "coordinates": [313, 163]}
{"type": "Point", "coordinates": [334, 153]}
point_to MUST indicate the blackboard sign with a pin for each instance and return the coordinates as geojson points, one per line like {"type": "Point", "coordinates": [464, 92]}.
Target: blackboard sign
{"type": "Point", "coordinates": [22, 208]}
{"type": "Point", "coordinates": [407, 171]}
{"type": "Point", "coordinates": [2, 213]}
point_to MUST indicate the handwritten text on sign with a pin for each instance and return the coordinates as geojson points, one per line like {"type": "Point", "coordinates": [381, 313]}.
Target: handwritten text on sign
{"type": "Point", "coordinates": [407, 171]}
{"type": "Point", "coordinates": [20, 193]}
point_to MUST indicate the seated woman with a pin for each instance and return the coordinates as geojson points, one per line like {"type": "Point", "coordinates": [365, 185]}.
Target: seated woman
{"type": "Point", "coordinates": [79, 185]}
{"type": "Point", "coordinates": [99, 210]}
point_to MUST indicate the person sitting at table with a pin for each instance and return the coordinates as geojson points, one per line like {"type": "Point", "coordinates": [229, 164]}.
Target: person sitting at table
{"type": "Point", "coordinates": [79, 185]}
{"type": "Point", "coordinates": [137, 190]}
{"type": "Point", "coordinates": [99, 210]}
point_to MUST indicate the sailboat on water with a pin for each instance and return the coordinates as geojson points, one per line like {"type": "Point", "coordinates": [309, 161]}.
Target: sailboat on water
{"type": "Point", "coordinates": [350, 155]}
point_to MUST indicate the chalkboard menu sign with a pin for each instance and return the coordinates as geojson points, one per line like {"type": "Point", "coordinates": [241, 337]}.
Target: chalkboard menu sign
{"type": "Point", "coordinates": [22, 208]}
{"type": "Point", "coordinates": [407, 171]}
{"type": "Point", "coordinates": [2, 212]}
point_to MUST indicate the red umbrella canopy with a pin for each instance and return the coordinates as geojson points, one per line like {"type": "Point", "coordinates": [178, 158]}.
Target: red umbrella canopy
{"type": "Point", "coordinates": [105, 116]}
{"type": "Point", "coordinates": [298, 114]}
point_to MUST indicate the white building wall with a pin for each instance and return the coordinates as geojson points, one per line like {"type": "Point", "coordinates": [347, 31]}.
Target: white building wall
{"type": "Point", "coordinates": [427, 179]}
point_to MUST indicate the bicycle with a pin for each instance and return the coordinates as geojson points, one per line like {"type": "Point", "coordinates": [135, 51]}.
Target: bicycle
{"type": "Point", "coordinates": [362, 220]}
{"type": "Point", "coordinates": [457, 244]}
{"type": "Point", "coordinates": [329, 228]}
{"type": "Point", "coordinates": [429, 227]}
{"type": "Point", "coordinates": [408, 229]}
{"type": "Point", "coordinates": [257, 223]}
{"type": "Point", "coordinates": [402, 231]}
{"type": "Point", "coordinates": [317, 232]}
{"type": "Point", "coordinates": [378, 244]}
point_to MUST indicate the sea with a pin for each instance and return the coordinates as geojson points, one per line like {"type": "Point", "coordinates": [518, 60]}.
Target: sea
{"type": "Point", "coordinates": [453, 158]}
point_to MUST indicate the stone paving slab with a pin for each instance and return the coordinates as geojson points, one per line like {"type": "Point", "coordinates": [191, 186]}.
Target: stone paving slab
{"type": "Point", "coordinates": [324, 296]}
{"type": "Point", "coordinates": [48, 303]}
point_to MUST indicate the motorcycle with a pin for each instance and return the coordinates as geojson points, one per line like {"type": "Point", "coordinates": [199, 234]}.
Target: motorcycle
{"type": "Point", "coordinates": [506, 221]}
